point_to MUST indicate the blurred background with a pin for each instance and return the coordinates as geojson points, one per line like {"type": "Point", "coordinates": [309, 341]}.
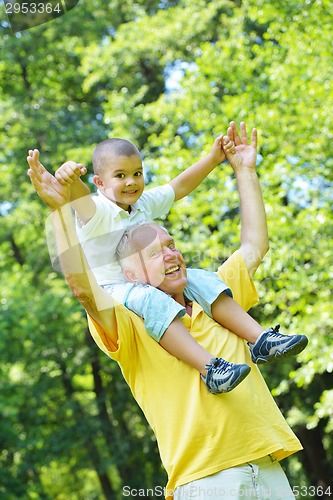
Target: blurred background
{"type": "Point", "coordinates": [168, 76]}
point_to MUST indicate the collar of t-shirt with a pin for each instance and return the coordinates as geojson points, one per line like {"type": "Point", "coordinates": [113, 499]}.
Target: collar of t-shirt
{"type": "Point", "coordinates": [115, 208]}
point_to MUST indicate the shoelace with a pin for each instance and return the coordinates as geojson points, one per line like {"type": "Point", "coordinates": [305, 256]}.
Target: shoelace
{"type": "Point", "coordinates": [220, 366]}
{"type": "Point", "coordinates": [275, 332]}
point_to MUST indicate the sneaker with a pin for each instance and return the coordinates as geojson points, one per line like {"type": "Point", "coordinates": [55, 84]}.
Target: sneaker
{"type": "Point", "coordinates": [223, 376]}
{"type": "Point", "coordinates": [271, 345]}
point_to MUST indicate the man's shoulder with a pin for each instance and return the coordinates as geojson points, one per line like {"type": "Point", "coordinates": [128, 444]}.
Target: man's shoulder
{"type": "Point", "coordinates": [119, 342]}
{"type": "Point", "coordinates": [236, 275]}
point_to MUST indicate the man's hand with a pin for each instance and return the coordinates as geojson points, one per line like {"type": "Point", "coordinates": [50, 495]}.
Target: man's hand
{"type": "Point", "coordinates": [244, 155]}
{"type": "Point", "coordinates": [254, 236]}
{"type": "Point", "coordinates": [70, 172]}
{"type": "Point", "coordinates": [54, 194]}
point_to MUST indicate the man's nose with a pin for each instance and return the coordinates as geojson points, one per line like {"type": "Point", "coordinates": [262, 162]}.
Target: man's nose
{"type": "Point", "coordinates": [168, 253]}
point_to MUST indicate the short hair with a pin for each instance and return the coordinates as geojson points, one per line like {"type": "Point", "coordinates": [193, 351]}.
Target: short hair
{"type": "Point", "coordinates": [111, 148]}
{"type": "Point", "coordinates": [125, 247]}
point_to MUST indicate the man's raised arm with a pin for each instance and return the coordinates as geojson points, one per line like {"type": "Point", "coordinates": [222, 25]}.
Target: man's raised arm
{"type": "Point", "coordinates": [79, 277]}
{"type": "Point", "coordinates": [254, 234]}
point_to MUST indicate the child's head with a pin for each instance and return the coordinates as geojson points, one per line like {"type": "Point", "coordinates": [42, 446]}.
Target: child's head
{"type": "Point", "coordinates": [118, 171]}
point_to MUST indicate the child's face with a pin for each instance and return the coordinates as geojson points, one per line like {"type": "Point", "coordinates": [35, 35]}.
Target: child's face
{"type": "Point", "coordinates": [122, 180]}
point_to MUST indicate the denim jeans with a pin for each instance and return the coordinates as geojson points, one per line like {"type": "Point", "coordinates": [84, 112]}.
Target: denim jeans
{"type": "Point", "coordinates": [261, 479]}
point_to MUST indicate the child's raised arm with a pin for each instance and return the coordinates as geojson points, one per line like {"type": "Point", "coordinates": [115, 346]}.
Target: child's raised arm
{"type": "Point", "coordinates": [188, 180]}
{"type": "Point", "coordinates": [69, 173]}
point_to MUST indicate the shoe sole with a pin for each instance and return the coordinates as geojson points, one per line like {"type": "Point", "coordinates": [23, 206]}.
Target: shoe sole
{"type": "Point", "coordinates": [286, 353]}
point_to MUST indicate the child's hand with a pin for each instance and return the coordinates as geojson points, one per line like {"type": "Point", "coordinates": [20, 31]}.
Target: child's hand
{"type": "Point", "coordinates": [221, 146]}
{"type": "Point", "coordinates": [70, 172]}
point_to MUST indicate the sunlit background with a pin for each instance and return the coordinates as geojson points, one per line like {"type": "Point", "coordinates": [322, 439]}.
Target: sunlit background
{"type": "Point", "coordinates": [168, 76]}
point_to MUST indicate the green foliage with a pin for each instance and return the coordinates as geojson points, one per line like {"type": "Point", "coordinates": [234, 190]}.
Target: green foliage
{"type": "Point", "coordinates": [169, 76]}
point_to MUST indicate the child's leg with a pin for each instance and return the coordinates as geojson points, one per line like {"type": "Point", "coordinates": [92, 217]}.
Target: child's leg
{"type": "Point", "coordinates": [214, 297]}
{"type": "Point", "coordinates": [265, 345]}
{"type": "Point", "coordinates": [204, 287]}
{"type": "Point", "coordinates": [161, 316]}
{"type": "Point", "coordinates": [178, 341]}
{"type": "Point", "coordinates": [219, 375]}
{"type": "Point", "coordinates": [233, 317]}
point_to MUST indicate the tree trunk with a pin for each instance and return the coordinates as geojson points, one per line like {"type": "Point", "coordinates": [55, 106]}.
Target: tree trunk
{"type": "Point", "coordinates": [315, 462]}
{"type": "Point", "coordinates": [88, 441]}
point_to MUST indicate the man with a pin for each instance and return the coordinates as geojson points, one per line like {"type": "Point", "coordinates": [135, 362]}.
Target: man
{"type": "Point", "coordinates": [212, 447]}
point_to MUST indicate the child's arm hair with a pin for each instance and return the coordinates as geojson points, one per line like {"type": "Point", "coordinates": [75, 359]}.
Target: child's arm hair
{"type": "Point", "coordinates": [188, 180]}
{"type": "Point", "coordinates": [80, 196]}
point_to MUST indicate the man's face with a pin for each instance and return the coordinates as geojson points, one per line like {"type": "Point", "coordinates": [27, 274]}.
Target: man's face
{"type": "Point", "coordinates": [157, 260]}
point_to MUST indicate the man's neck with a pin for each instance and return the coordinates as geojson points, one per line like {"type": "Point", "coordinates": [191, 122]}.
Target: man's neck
{"type": "Point", "coordinates": [182, 300]}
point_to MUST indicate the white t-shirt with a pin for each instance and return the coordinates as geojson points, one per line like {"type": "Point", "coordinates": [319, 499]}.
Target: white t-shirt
{"type": "Point", "coordinates": [100, 236]}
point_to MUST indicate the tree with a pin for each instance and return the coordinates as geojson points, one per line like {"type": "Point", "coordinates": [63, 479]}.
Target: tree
{"type": "Point", "coordinates": [168, 76]}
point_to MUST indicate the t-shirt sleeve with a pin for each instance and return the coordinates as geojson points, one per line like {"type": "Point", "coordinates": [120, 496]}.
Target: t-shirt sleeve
{"type": "Point", "coordinates": [95, 225]}
{"type": "Point", "coordinates": [235, 274]}
{"type": "Point", "coordinates": [123, 336]}
{"type": "Point", "coordinates": [157, 201]}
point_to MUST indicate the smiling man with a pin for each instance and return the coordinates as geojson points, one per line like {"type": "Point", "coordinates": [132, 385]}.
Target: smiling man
{"type": "Point", "coordinates": [211, 446]}
{"type": "Point", "coordinates": [148, 254]}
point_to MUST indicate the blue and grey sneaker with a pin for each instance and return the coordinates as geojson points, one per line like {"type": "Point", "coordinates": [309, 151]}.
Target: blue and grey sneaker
{"type": "Point", "coordinates": [271, 345]}
{"type": "Point", "coordinates": [223, 376]}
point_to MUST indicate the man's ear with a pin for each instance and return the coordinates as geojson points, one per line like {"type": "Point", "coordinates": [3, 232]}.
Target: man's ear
{"type": "Point", "coordinates": [97, 181]}
{"type": "Point", "coordinates": [130, 275]}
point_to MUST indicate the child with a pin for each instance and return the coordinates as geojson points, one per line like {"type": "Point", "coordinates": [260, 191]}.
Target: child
{"type": "Point", "coordinates": [120, 203]}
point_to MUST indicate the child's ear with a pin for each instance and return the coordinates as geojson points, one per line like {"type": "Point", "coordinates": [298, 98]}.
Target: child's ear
{"type": "Point", "coordinates": [130, 275]}
{"type": "Point", "coordinates": [97, 181]}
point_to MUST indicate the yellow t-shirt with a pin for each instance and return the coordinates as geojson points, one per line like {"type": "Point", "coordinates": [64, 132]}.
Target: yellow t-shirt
{"type": "Point", "coordinates": [199, 433]}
